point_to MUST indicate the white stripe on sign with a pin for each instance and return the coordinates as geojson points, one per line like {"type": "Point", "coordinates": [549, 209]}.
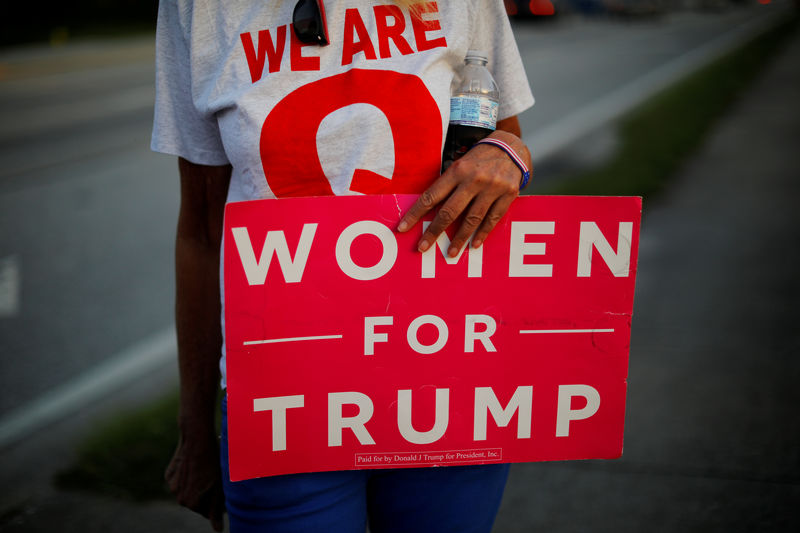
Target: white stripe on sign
{"type": "Point", "coordinates": [293, 339]}
{"type": "Point", "coordinates": [526, 331]}
{"type": "Point", "coordinates": [9, 286]}
{"type": "Point", "coordinates": [107, 377]}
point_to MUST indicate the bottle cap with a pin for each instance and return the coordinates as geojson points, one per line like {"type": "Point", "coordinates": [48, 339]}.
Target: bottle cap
{"type": "Point", "coordinates": [479, 55]}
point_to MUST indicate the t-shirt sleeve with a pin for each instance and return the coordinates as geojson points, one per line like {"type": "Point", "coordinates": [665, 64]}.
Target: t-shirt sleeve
{"type": "Point", "coordinates": [179, 127]}
{"type": "Point", "coordinates": [492, 33]}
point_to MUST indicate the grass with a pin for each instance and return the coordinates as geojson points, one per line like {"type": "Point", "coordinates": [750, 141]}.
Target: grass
{"type": "Point", "coordinates": [126, 457]}
{"type": "Point", "coordinates": [660, 135]}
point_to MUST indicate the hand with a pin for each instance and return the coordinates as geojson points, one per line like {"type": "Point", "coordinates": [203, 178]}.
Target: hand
{"type": "Point", "coordinates": [194, 476]}
{"type": "Point", "coordinates": [481, 186]}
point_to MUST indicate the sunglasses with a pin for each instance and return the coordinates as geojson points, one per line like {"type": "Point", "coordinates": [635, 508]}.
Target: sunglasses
{"type": "Point", "coordinates": [308, 22]}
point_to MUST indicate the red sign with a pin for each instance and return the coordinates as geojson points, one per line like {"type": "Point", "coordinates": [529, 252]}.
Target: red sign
{"type": "Point", "coordinates": [347, 348]}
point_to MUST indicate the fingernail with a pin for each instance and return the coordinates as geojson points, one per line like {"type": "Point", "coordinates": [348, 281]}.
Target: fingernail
{"type": "Point", "coordinates": [452, 251]}
{"type": "Point", "coordinates": [423, 245]}
{"type": "Point", "coordinates": [402, 226]}
{"type": "Point", "coordinates": [477, 243]}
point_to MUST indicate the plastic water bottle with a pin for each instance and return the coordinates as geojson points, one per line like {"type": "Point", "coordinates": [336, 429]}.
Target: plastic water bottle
{"type": "Point", "coordinates": [474, 99]}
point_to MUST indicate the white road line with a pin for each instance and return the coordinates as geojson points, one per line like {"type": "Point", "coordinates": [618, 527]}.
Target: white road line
{"type": "Point", "coordinates": [527, 331]}
{"type": "Point", "coordinates": [556, 136]}
{"type": "Point", "coordinates": [293, 339]}
{"type": "Point", "coordinates": [9, 286]}
{"type": "Point", "coordinates": [123, 368]}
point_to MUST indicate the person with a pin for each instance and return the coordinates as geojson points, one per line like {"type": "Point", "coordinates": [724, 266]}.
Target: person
{"type": "Point", "coordinates": [254, 109]}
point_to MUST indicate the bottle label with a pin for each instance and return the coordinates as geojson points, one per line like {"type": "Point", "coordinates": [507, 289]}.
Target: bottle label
{"type": "Point", "coordinates": [478, 111]}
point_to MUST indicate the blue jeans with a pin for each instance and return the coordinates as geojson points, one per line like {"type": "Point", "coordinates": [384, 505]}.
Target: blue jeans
{"type": "Point", "coordinates": [462, 499]}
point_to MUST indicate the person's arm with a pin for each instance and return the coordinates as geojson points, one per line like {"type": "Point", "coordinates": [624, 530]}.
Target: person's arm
{"type": "Point", "coordinates": [194, 472]}
{"type": "Point", "coordinates": [511, 125]}
{"type": "Point", "coordinates": [480, 186]}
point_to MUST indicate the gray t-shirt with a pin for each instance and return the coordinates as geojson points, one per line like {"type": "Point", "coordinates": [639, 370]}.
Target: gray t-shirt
{"type": "Point", "coordinates": [366, 114]}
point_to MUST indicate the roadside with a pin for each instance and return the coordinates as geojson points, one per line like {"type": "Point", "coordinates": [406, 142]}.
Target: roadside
{"type": "Point", "coordinates": [711, 430]}
{"type": "Point", "coordinates": [32, 503]}
{"type": "Point", "coordinates": [649, 144]}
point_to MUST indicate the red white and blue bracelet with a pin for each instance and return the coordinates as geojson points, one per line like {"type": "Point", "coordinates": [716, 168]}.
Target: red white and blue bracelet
{"type": "Point", "coordinates": [526, 174]}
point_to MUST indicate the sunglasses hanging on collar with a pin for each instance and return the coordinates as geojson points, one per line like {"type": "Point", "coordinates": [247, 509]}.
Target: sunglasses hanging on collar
{"type": "Point", "coordinates": [309, 23]}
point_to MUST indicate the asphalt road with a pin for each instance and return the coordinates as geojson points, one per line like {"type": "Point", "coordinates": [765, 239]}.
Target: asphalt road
{"type": "Point", "coordinates": [87, 212]}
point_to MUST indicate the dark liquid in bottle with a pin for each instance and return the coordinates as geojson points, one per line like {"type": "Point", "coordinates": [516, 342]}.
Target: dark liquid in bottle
{"type": "Point", "coordinates": [459, 140]}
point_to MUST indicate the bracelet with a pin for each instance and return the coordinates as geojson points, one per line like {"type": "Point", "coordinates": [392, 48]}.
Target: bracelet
{"type": "Point", "coordinates": [526, 174]}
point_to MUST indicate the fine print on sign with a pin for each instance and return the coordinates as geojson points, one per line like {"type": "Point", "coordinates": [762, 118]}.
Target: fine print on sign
{"type": "Point", "coordinates": [347, 348]}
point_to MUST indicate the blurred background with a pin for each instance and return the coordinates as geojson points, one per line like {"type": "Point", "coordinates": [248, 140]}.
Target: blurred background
{"type": "Point", "coordinates": [693, 104]}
